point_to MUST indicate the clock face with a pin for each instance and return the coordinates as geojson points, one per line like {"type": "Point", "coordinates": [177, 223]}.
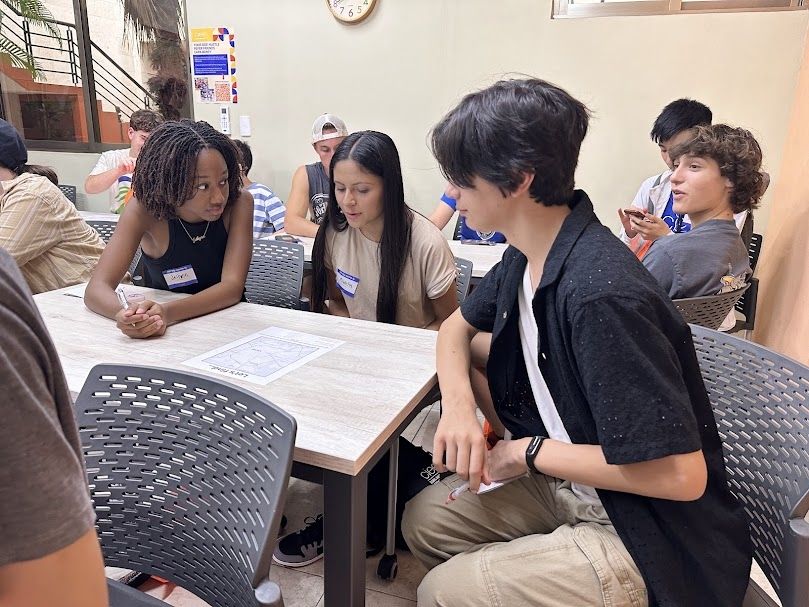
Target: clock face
{"type": "Point", "coordinates": [351, 11]}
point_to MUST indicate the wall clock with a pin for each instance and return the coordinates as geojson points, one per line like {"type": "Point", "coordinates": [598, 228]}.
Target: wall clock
{"type": "Point", "coordinates": [351, 11]}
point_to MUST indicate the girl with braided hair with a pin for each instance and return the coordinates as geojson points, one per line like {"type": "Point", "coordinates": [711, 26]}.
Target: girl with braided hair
{"type": "Point", "coordinates": [193, 223]}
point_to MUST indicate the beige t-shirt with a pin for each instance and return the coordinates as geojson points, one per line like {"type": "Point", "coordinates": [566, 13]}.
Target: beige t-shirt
{"type": "Point", "coordinates": [45, 234]}
{"type": "Point", "coordinates": [428, 272]}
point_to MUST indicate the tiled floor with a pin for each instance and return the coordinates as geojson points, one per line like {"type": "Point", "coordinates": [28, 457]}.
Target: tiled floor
{"type": "Point", "coordinates": [303, 587]}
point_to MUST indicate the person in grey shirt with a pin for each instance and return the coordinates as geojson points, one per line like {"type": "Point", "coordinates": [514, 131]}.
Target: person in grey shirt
{"type": "Point", "coordinates": [49, 552]}
{"type": "Point", "coordinates": [716, 174]}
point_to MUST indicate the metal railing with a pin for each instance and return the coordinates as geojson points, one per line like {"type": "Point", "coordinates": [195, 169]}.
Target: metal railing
{"type": "Point", "coordinates": [60, 55]}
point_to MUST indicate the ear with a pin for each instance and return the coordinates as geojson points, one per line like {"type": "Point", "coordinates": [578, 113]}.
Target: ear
{"type": "Point", "coordinates": [523, 186]}
{"type": "Point", "coordinates": [728, 183]}
{"type": "Point", "coordinates": [131, 132]}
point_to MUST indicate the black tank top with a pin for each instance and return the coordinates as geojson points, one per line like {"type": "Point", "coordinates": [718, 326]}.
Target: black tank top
{"type": "Point", "coordinates": [204, 257]}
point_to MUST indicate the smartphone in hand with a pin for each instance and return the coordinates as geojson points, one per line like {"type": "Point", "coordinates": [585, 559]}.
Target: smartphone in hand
{"type": "Point", "coordinates": [633, 212]}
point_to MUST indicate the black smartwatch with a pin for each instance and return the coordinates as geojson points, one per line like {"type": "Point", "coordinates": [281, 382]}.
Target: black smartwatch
{"type": "Point", "coordinates": [532, 451]}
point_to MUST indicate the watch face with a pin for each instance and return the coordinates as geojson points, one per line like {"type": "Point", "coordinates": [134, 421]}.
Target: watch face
{"type": "Point", "coordinates": [351, 11]}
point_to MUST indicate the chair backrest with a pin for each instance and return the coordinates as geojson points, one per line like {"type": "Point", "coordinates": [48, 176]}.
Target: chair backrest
{"type": "Point", "coordinates": [747, 305]}
{"type": "Point", "coordinates": [276, 274]}
{"type": "Point", "coordinates": [456, 233]}
{"type": "Point", "coordinates": [761, 404]}
{"type": "Point", "coordinates": [464, 278]}
{"type": "Point", "coordinates": [69, 191]}
{"type": "Point", "coordinates": [104, 228]}
{"type": "Point", "coordinates": [754, 250]}
{"type": "Point", "coordinates": [711, 310]}
{"type": "Point", "coordinates": [187, 476]}
{"type": "Point", "coordinates": [134, 268]}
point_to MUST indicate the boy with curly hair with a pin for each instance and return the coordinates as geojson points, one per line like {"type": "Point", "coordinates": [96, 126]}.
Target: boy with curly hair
{"type": "Point", "coordinates": [716, 174]}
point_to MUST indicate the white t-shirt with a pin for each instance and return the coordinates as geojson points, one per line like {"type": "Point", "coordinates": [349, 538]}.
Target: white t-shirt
{"type": "Point", "coordinates": [428, 272]}
{"type": "Point", "coordinates": [112, 159]}
{"type": "Point", "coordinates": [529, 338]}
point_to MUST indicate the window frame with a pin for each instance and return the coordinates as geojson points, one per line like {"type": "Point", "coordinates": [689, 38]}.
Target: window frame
{"type": "Point", "coordinates": [94, 145]}
{"type": "Point", "coordinates": [564, 9]}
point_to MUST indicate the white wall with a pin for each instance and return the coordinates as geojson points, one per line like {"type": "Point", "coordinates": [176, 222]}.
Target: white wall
{"type": "Point", "coordinates": [408, 63]}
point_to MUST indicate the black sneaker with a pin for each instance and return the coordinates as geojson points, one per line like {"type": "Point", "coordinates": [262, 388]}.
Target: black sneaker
{"type": "Point", "coordinates": [302, 547]}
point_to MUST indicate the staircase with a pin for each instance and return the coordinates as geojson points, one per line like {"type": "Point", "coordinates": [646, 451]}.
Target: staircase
{"type": "Point", "coordinates": [54, 108]}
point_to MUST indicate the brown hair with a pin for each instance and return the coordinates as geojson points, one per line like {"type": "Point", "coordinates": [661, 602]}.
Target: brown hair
{"type": "Point", "coordinates": [145, 120]}
{"type": "Point", "coordinates": [738, 155]}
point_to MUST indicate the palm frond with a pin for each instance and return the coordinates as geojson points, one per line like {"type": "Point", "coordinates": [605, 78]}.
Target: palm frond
{"type": "Point", "coordinates": [144, 18]}
{"type": "Point", "coordinates": [19, 58]}
{"type": "Point", "coordinates": [37, 13]}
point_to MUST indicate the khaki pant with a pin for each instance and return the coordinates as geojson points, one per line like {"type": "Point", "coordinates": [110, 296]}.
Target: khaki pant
{"type": "Point", "coordinates": [531, 542]}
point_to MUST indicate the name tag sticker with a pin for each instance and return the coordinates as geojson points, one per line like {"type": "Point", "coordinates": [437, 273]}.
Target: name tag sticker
{"type": "Point", "coordinates": [180, 277]}
{"type": "Point", "coordinates": [346, 282]}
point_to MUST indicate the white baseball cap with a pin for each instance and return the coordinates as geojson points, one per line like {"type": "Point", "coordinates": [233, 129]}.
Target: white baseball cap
{"type": "Point", "coordinates": [322, 122]}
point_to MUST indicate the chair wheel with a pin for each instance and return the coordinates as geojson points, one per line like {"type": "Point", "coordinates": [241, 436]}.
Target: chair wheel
{"type": "Point", "coordinates": [388, 567]}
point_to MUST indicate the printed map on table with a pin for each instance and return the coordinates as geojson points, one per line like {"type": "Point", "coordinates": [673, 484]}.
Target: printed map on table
{"type": "Point", "coordinates": [264, 356]}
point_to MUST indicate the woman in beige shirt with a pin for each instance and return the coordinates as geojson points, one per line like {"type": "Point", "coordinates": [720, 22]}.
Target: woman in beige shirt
{"type": "Point", "coordinates": [374, 257]}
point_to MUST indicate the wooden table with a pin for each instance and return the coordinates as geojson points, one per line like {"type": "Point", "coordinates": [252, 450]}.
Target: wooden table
{"type": "Point", "coordinates": [483, 257]}
{"type": "Point", "coordinates": [350, 404]}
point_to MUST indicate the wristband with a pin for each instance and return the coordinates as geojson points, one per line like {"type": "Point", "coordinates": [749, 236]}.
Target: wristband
{"type": "Point", "coordinates": [531, 452]}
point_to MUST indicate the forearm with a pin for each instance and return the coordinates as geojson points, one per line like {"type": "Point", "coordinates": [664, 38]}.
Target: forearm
{"type": "Point", "coordinates": [95, 184]}
{"type": "Point", "coordinates": [101, 299]}
{"type": "Point", "coordinates": [676, 477]}
{"type": "Point", "coordinates": [453, 359]}
{"type": "Point", "coordinates": [219, 296]}
{"type": "Point", "coordinates": [338, 308]}
{"type": "Point", "coordinates": [299, 226]}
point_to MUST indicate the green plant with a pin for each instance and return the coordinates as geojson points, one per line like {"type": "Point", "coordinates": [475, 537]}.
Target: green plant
{"type": "Point", "coordinates": [35, 12]}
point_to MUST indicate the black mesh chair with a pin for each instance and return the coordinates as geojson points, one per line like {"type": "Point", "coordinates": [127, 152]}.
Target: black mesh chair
{"type": "Point", "coordinates": [69, 191]}
{"type": "Point", "coordinates": [761, 403]}
{"type": "Point", "coordinates": [711, 310]}
{"type": "Point", "coordinates": [754, 249]}
{"type": "Point", "coordinates": [104, 228]}
{"type": "Point", "coordinates": [456, 233]}
{"type": "Point", "coordinates": [276, 274]}
{"type": "Point", "coordinates": [188, 477]}
{"type": "Point", "coordinates": [464, 268]}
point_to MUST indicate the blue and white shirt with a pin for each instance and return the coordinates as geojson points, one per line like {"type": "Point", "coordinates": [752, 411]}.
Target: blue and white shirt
{"type": "Point", "coordinates": [268, 211]}
{"type": "Point", "coordinates": [467, 233]}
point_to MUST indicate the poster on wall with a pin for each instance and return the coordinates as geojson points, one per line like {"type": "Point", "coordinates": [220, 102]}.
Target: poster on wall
{"type": "Point", "coordinates": [213, 60]}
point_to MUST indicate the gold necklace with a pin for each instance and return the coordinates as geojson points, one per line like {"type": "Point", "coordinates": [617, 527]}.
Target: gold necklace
{"type": "Point", "coordinates": [195, 239]}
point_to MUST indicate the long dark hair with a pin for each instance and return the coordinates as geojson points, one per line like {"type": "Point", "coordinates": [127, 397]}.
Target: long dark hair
{"type": "Point", "coordinates": [377, 154]}
{"type": "Point", "coordinates": [35, 169]}
{"type": "Point", "coordinates": [164, 175]}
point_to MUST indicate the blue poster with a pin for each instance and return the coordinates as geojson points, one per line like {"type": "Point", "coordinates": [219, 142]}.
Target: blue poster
{"type": "Point", "coordinates": [211, 65]}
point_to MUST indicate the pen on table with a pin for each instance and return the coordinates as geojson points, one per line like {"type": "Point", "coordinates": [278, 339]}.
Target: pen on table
{"type": "Point", "coordinates": [123, 300]}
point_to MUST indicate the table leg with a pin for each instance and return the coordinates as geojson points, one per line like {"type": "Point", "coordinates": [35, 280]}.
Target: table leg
{"type": "Point", "coordinates": [344, 520]}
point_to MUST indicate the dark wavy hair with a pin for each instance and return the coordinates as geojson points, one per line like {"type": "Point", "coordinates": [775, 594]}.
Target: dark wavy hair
{"type": "Point", "coordinates": [738, 155]}
{"type": "Point", "coordinates": [164, 174]}
{"type": "Point", "coordinates": [377, 154]}
{"type": "Point", "coordinates": [512, 128]}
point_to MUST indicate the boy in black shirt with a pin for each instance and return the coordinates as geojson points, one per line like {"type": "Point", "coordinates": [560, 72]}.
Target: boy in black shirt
{"type": "Point", "coordinates": [593, 373]}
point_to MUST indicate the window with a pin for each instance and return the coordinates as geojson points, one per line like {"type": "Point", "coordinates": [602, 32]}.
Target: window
{"type": "Point", "coordinates": [98, 61]}
{"type": "Point", "coordinates": [604, 8]}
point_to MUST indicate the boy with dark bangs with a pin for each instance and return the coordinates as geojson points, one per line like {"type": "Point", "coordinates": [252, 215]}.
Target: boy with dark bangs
{"type": "Point", "coordinates": [615, 488]}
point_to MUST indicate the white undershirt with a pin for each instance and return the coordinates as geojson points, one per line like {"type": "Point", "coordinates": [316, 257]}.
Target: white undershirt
{"type": "Point", "coordinates": [529, 337]}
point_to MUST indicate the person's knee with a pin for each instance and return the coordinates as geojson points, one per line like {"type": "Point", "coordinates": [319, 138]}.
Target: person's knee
{"type": "Point", "coordinates": [422, 524]}
{"type": "Point", "coordinates": [442, 587]}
